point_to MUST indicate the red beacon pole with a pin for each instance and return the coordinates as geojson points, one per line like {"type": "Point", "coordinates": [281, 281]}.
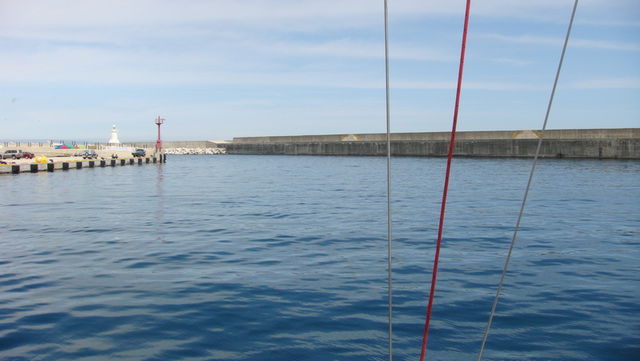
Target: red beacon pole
{"type": "Point", "coordinates": [159, 122]}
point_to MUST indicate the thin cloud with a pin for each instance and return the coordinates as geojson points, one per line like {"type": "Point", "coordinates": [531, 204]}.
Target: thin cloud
{"type": "Point", "coordinates": [611, 23]}
{"type": "Point", "coordinates": [101, 67]}
{"type": "Point", "coordinates": [358, 49]}
{"type": "Point", "coordinates": [609, 83]}
{"type": "Point", "coordinates": [511, 61]}
{"type": "Point", "coordinates": [603, 44]}
{"type": "Point", "coordinates": [98, 13]}
{"type": "Point", "coordinates": [580, 43]}
{"type": "Point", "coordinates": [471, 85]}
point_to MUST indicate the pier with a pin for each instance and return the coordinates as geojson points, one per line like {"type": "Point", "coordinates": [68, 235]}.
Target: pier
{"type": "Point", "coordinates": [65, 165]}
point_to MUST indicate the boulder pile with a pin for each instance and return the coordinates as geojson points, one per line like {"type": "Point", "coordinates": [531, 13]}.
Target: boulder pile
{"type": "Point", "coordinates": [189, 151]}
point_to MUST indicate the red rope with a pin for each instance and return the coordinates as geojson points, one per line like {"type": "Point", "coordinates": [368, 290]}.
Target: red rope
{"type": "Point", "coordinates": [434, 274]}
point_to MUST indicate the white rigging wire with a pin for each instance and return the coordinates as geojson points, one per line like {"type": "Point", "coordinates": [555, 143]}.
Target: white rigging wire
{"type": "Point", "coordinates": [389, 214]}
{"type": "Point", "coordinates": [526, 192]}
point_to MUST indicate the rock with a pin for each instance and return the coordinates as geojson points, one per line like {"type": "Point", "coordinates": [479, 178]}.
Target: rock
{"type": "Point", "coordinates": [198, 151]}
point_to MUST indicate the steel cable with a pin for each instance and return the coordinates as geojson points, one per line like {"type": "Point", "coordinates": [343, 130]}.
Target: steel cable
{"type": "Point", "coordinates": [389, 214]}
{"type": "Point", "coordinates": [526, 191]}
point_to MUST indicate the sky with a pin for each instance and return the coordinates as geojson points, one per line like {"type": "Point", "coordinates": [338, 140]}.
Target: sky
{"type": "Point", "coordinates": [219, 69]}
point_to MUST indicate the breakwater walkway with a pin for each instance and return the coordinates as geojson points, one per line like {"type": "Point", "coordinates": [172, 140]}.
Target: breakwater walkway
{"type": "Point", "coordinates": [566, 143]}
{"type": "Point", "coordinates": [65, 165]}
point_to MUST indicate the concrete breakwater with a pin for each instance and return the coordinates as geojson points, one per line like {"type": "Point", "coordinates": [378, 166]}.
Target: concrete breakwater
{"type": "Point", "coordinates": [568, 143]}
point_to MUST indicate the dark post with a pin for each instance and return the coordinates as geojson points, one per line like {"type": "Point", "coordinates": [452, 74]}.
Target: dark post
{"type": "Point", "coordinates": [78, 165]}
{"type": "Point", "coordinates": [51, 167]}
{"type": "Point", "coordinates": [155, 160]}
{"type": "Point", "coordinates": [15, 169]}
{"type": "Point", "coordinates": [34, 168]}
{"type": "Point", "coordinates": [103, 163]}
{"type": "Point", "coordinates": [131, 161]}
{"type": "Point", "coordinates": [113, 162]}
{"type": "Point", "coordinates": [139, 161]}
{"type": "Point", "coordinates": [147, 160]}
{"type": "Point", "coordinates": [65, 166]}
{"type": "Point", "coordinates": [122, 161]}
{"type": "Point", "coordinates": [92, 164]}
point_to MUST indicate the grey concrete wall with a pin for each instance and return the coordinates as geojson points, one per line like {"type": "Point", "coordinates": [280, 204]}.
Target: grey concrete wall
{"type": "Point", "coordinates": [602, 148]}
{"type": "Point", "coordinates": [623, 133]}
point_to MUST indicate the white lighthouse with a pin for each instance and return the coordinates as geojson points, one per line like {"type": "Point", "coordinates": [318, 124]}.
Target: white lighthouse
{"type": "Point", "coordinates": [114, 136]}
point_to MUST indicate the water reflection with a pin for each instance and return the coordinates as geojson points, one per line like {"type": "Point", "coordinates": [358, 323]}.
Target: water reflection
{"type": "Point", "coordinates": [160, 204]}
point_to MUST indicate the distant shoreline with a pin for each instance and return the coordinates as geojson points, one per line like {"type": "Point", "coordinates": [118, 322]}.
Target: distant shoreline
{"type": "Point", "coordinates": [618, 143]}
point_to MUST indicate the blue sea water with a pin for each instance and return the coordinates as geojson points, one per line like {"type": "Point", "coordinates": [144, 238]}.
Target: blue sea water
{"type": "Point", "coordinates": [284, 258]}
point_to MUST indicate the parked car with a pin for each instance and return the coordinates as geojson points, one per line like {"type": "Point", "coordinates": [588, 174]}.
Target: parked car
{"type": "Point", "coordinates": [89, 154]}
{"type": "Point", "coordinates": [139, 153]}
{"type": "Point", "coordinates": [12, 153]}
{"type": "Point", "coordinates": [28, 155]}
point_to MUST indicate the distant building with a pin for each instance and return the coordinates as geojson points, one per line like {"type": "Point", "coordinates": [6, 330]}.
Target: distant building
{"type": "Point", "coordinates": [114, 136]}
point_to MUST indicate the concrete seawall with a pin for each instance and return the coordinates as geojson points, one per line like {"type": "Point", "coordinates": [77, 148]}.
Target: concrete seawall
{"type": "Point", "coordinates": [571, 143]}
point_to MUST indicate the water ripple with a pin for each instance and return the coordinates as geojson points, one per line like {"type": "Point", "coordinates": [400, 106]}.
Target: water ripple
{"type": "Point", "coordinates": [283, 258]}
